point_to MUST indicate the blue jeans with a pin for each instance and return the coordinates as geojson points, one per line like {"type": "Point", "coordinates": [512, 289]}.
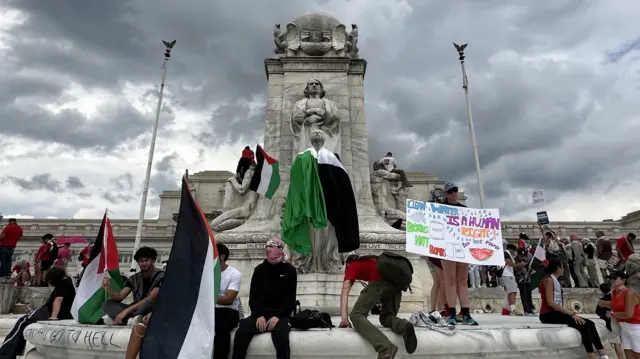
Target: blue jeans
{"type": "Point", "coordinates": [6, 254]}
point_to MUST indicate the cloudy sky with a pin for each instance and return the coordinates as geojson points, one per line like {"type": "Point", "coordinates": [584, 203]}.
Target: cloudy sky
{"type": "Point", "coordinates": [554, 89]}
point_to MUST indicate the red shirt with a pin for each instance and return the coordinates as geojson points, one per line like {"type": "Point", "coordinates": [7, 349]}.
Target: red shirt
{"type": "Point", "coordinates": [544, 306]}
{"type": "Point", "coordinates": [623, 246]}
{"type": "Point", "coordinates": [618, 302]}
{"type": "Point", "coordinates": [12, 234]}
{"type": "Point", "coordinates": [84, 253]}
{"type": "Point", "coordinates": [43, 253]}
{"type": "Point", "coordinates": [364, 270]}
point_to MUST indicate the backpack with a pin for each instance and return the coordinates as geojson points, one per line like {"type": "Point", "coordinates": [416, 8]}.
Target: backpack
{"type": "Point", "coordinates": [307, 319]}
{"type": "Point", "coordinates": [395, 269]}
{"type": "Point", "coordinates": [53, 255]}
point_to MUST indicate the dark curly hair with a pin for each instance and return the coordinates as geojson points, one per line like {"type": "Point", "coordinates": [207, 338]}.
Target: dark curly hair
{"type": "Point", "coordinates": [552, 266]}
{"type": "Point", "coordinates": [145, 252]}
{"type": "Point", "coordinates": [55, 275]}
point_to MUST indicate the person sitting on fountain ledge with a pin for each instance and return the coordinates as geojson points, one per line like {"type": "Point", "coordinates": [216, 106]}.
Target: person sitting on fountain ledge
{"type": "Point", "coordinates": [388, 275]}
{"type": "Point", "coordinates": [145, 286]}
{"type": "Point", "coordinates": [389, 164]}
{"type": "Point", "coordinates": [272, 299]}
{"type": "Point", "coordinates": [57, 307]}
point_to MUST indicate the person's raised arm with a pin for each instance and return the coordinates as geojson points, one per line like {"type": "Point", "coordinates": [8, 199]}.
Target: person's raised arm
{"type": "Point", "coordinates": [232, 291]}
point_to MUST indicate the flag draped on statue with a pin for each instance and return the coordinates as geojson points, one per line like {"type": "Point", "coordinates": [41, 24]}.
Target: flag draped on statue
{"type": "Point", "coordinates": [320, 191]}
{"type": "Point", "coordinates": [183, 321]}
{"type": "Point", "coordinates": [87, 306]}
{"type": "Point", "coordinates": [266, 177]}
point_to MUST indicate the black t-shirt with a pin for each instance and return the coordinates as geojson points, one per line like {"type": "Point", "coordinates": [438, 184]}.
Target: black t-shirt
{"type": "Point", "coordinates": [590, 251]}
{"type": "Point", "coordinates": [67, 291]}
{"type": "Point", "coordinates": [147, 284]}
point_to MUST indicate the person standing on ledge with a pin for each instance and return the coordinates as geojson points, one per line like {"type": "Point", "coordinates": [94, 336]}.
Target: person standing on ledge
{"type": "Point", "coordinates": [379, 290]}
{"type": "Point", "coordinates": [456, 274]}
{"type": "Point", "coordinates": [389, 164]}
{"type": "Point", "coordinates": [9, 238]}
{"type": "Point", "coordinates": [552, 310]}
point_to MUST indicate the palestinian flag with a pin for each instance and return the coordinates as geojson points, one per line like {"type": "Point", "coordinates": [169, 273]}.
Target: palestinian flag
{"type": "Point", "coordinates": [538, 262]}
{"type": "Point", "coordinates": [266, 177]}
{"type": "Point", "coordinates": [320, 192]}
{"type": "Point", "coordinates": [183, 321]}
{"type": "Point", "coordinates": [103, 261]}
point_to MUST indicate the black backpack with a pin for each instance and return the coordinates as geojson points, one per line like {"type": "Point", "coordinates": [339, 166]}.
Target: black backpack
{"type": "Point", "coordinates": [308, 319]}
{"type": "Point", "coordinates": [395, 269]}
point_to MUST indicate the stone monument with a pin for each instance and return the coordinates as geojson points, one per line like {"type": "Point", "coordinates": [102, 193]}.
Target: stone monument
{"type": "Point", "coordinates": [316, 81]}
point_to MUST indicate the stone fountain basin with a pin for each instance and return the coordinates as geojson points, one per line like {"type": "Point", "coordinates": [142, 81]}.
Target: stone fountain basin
{"type": "Point", "coordinates": [497, 337]}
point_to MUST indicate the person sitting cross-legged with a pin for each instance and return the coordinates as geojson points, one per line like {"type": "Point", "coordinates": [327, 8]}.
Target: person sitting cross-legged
{"type": "Point", "coordinates": [58, 306]}
{"type": "Point", "coordinates": [145, 286]}
{"type": "Point", "coordinates": [272, 299]}
{"type": "Point", "coordinates": [377, 291]}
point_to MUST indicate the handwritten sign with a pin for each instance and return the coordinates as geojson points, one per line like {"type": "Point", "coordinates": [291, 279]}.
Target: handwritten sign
{"type": "Point", "coordinates": [537, 197]}
{"type": "Point", "coordinates": [459, 234]}
{"type": "Point", "coordinates": [72, 337]}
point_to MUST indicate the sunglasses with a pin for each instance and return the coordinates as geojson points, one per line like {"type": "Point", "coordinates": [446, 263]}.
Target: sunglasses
{"type": "Point", "coordinates": [272, 243]}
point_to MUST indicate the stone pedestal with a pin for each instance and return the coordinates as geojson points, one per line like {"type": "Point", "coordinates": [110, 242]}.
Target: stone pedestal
{"type": "Point", "coordinates": [7, 297]}
{"type": "Point", "coordinates": [37, 296]}
{"type": "Point", "coordinates": [491, 300]}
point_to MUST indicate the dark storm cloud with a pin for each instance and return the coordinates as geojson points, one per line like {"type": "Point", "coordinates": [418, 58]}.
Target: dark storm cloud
{"type": "Point", "coordinates": [123, 182]}
{"type": "Point", "coordinates": [539, 123]}
{"type": "Point", "coordinates": [74, 182]}
{"type": "Point", "coordinates": [117, 198]}
{"type": "Point", "coordinates": [43, 182]}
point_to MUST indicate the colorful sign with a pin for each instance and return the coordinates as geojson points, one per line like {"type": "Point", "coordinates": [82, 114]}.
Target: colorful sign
{"type": "Point", "coordinates": [459, 234]}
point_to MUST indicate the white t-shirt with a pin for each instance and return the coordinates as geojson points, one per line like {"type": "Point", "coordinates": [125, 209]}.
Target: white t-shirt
{"type": "Point", "coordinates": [230, 280]}
{"type": "Point", "coordinates": [389, 163]}
{"type": "Point", "coordinates": [508, 271]}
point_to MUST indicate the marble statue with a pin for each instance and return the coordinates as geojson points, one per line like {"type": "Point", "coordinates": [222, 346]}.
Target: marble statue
{"type": "Point", "coordinates": [315, 112]}
{"type": "Point", "coordinates": [296, 41]}
{"type": "Point", "coordinates": [389, 195]}
{"type": "Point", "coordinates": [324, 257]}
{"type": "Point", "coordinates": [239, 203]}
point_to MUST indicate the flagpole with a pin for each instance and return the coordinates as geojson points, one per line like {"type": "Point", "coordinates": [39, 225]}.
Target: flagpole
{"type": "Point", "coordinates": [145, 191]}
{"type": "Point", "coordinates": [465, 86]}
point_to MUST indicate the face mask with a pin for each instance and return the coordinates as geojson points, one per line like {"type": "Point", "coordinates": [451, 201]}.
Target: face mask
{"type": "Point", "coordinates": [275, 251]}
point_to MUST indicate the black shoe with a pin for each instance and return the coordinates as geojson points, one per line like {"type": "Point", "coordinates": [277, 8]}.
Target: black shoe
{"type": "Point", "coordinates": [410, 339]}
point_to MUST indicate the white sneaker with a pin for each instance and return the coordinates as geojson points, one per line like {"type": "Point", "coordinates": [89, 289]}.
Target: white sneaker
{"type": "Point", "coordinates": [134, 321]}
{"type": "Point", "coordinates": [107, 320]}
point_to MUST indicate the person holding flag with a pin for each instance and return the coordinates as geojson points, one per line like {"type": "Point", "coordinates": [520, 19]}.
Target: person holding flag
{"type": "Point", "coordinates": [144, 285]}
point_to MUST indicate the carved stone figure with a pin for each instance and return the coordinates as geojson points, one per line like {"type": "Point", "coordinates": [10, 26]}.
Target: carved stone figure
{"type": "Point", "coordinates": [389, 164]}
{"type": "Point", "coordinates": [389, 195]}
{"type": "Point", "coordinates": [316, 41]}
{"type": "Point", "coordinates": [353, 41]}
{"type": "Point", "coordinates": [324, 257]}
{"type": "Point", "coordinates": [239, 203]}
{"type": "Point", "coordinates": [315, 113]}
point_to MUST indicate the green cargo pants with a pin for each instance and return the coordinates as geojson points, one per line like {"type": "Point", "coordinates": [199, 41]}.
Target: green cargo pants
{"type": "Point", "coordinates": [379, 291]}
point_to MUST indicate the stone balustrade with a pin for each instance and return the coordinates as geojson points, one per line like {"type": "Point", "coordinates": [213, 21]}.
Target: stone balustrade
{"type": "Point", "coordinates": [497, 337]}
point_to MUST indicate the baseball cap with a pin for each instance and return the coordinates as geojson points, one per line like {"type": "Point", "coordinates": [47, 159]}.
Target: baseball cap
{"type": "Point", "coordinates": [449, 186]}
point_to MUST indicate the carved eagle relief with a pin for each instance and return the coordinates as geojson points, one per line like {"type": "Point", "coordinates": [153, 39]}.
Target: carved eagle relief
{"type": "Point", "coordinates": [293, 37]}
{"type": "Point", "coordinates": [339, 37]}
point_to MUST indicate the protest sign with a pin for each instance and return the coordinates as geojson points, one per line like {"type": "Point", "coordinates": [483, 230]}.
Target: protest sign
{"type": "Point", "coordinates": [459, 234]}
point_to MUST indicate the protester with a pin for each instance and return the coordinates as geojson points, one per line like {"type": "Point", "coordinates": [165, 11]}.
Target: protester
{"type": "Point", "coordinates": [272, 299]}
{"type": "Point", "coordinates": [603, 310]}
{"type": "Point", "coordinates": [626, 310]}
{"type": "Point", "coordinates": [57, 307]}
{"type": "Point", "coordinates": [22, 274]}
{"type": "Point", "coordinates": [437, 296]}
{"type": "Point", "coordinates": [244, 163]}
{"type": "Point", "coordinates": [456, 274]}
{"type": "Point", "coordinates": [579, 261]}
{"type": "Point", "coordinates": [523, 278]}
{"type": "Point", "coordinates": [83, 257]}
{"type": "Point", "coordinates": [44, 258]}
{"type": "Point", "coordinates": [590, 251]}
{"type": "Point", "coordinates": [474, 276]}
{"type": "Point", "coordinates": [145, 286]}
{"type": "Point", "coordinates": [379, 290]}
{"type": "Point", "coordinates": [552, 310]}
{"type": "Point", "coordinates": [624, 247]}
{"type": "Point", "coordinates": [509, 279]}
{"type": "Point", "coordinates": [227, 316]}
{"type": "Point", "coordinates": [64, 255]}
{"type": "Point", "coordinates": [9, 237]}
{"type": "Point", "coordinates": [604, 252]}
{"type": "Point", "coordinates": [555, 250]}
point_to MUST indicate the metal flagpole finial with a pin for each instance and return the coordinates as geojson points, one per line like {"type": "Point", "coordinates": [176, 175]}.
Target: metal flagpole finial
{"type": "Point", "coordinates": [460, 49]}
{"type": "Point", "coordinates": [168, 45]}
